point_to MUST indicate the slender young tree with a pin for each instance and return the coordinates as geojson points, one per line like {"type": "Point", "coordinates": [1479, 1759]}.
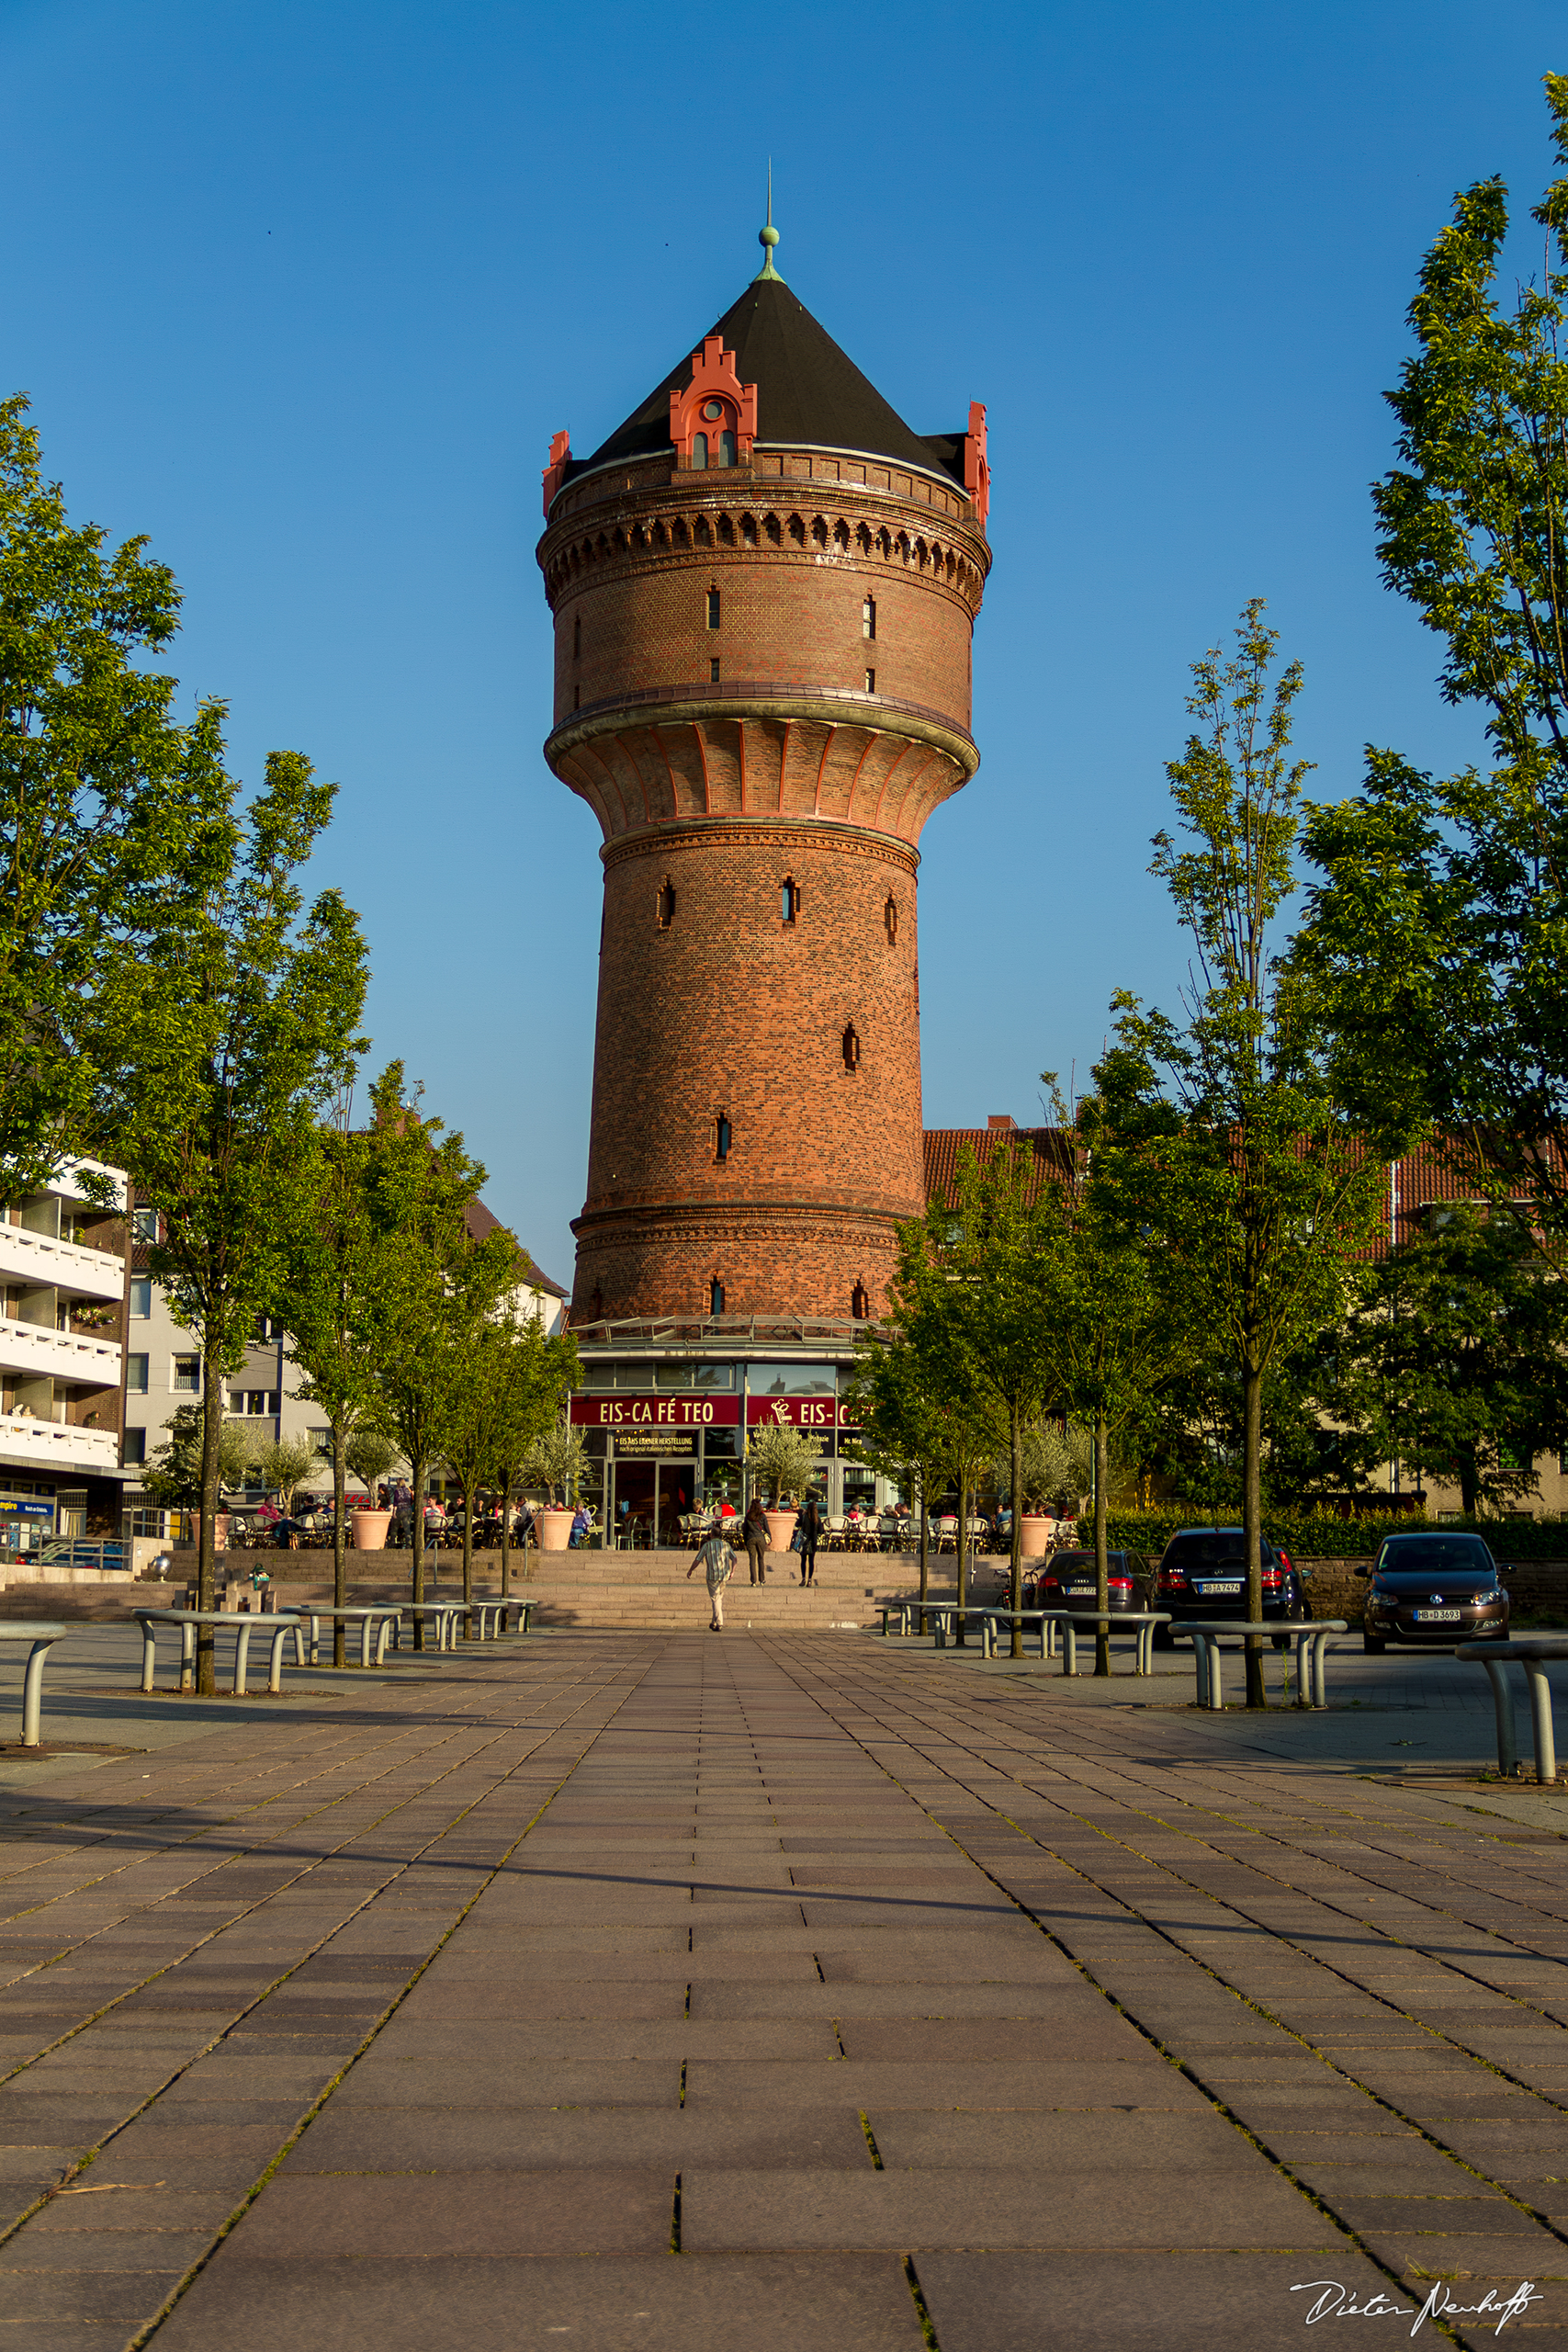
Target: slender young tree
{"type": "Point", "coordinates": [469, 1358]}
{"type": "Point", "coordinates": [900, 1431]}
{"type": "Point", "coordinates": [1236, 1159]}
{"type": "Point", "coordinates": [531, 1378]}
{"type": "Point", "coordinates": [217, 1056]}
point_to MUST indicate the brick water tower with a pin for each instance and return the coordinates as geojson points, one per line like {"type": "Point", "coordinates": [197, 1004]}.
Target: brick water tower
{"type": "Point", "coordinates": [765, 588]}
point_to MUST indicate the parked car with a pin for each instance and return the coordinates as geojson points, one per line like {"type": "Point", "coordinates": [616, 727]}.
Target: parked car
{"type": "Point", "coordinates": [1427, 1588]}
{"type": "Point", "coordinates": [1067, 1580]}
{"type": "Point", "coordinates": [1202, 1573]}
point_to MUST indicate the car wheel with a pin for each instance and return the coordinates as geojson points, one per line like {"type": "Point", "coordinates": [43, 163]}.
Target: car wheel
{"type": "Point", "coordinates": [1373, 1647]}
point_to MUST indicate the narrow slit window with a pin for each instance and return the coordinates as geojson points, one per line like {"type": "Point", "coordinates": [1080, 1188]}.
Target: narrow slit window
{"type": "Point", "coordinates": [577, 639]}
{"type": "Point", "coordinates": [868, 617]}
{"type": "Point", "coordinates": [789, 900]}
{"type": "Point", "coordinates": [721, 1137]}
{"type": "Point", "coordinates": [890, 919]}
{"type": "Point", "coordinates": [727, 448]}
{"type": "Point", "coordinates": [713, 671]}
{"type": "Point", "coordinates": [713, 608]}
{"type": "Point", "coordinates": [860, 1304]}
{"type": "Point", "coordinates": [870, 682]}
{"type": "Point", "coordinates": [851, 1047]}
{"type": "Point", "coordinates": [699, 453]}
{"type": "Point", "coordinates": [715, 1297]}
{"type": "Point", "coordinates": [577, 697]}
{"type": "Point", "coordinates": [666, 904]}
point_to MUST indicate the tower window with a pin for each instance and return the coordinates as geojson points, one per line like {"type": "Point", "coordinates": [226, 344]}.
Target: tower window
{"type": "Point", "coordinates": [890, 919]}
{"type": "Point", "coordinates": [713, 608]}
{"type": "Point", "coordinates": [577, 639]}
{"type": "Point", "coordinates": [868, 617]}
{"type": "Point", "coordinates": [860, 1304]}
{"type": "Point", "coordinates": [713, 671]}
{"type": "Point", "coordinates": [789, 900]}
{"type": "Point", "coordinates": [598, 1301]}
{"type": "Point", "coordinates": [666, 904]}
{"type": "Point", "coordinates": [870, 682]}
{"type": "Point", "coordinates": [715, 1297]}
{"type": "Point", "coordinates": [699, 453]}
{"type": "Point", "coordinates": [851, 1048]}
{"type": "Point", "coordinates": [721, 1132]}
{"type": "Point", "coordinates": [577, 697]}
{"type": "Point", "coordinates": [727, 448]}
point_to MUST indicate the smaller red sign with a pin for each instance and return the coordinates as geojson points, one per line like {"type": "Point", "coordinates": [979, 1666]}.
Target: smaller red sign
{"type": "Point", "coordinates": [798, 1413]}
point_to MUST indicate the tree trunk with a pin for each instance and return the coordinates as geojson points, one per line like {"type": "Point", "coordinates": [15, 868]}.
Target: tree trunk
{"type": "Point", "coordinates": [340, 1534]}
{"type": "Point", "coordinates": [963, 1552]}
{"type": "Point", "coordinates": [416, 1537]}
{"type": "Point", "coordinates": [925, 1552]}
{"type": "Point", "coordinates": [468, 1556]}
{"type": "Point", "coordinates": [206, 1532]}
{"type": "Point", "coordinates": [1017, 1506]}
{"type": "Point", "coordinates": [1102, 1558]}
{"type": "Point", "coordinates": [1468, 1483]}
{"type": "Point", "coordinates": [506, 1536]}
{"type": "Point", "coordinates": [1252, 1524]}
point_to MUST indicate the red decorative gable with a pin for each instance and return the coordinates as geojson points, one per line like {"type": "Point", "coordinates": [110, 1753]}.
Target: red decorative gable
{"type": "Point", "coordinates": [976, 466]}
{"type": "Point", "coordinates": [716, 402]}
{"type": "Point", "coordinates": [560, 457]}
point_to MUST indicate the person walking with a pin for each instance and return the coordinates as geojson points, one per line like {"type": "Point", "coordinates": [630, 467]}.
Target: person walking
{"type": "Point", "coordinates": [808, 1527]}
{"type": "Point", "coordinates": [754, 1527]}
{"type": "Point", "coordinates": [717, 1562]}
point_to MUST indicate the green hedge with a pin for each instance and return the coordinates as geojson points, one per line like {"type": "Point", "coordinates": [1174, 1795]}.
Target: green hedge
{"type": "Point", "coordinates": [1323, 1535]}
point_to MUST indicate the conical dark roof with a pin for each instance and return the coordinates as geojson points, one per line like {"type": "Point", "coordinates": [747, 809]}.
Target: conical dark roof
{"type": "Point", "coordinates": [808, 390]}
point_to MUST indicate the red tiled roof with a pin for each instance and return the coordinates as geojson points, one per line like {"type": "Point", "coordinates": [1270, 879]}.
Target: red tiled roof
{"type": "Point", "coordinates": [1044, 1150]}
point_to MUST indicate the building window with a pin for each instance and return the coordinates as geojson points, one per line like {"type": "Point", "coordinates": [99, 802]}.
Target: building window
{"type": "Point", "coordinates": [721, 1132]}
{"type": "Point", "coordinates": [868, 617]}
{"type": "Point", "coordinates": [851, 1048]}
{"type": "Point", "coordinates": [186, 1375]}
{"type": "Point", "coordinates": [713, 608]}
{"type": "Point", "coordinates": [727, 448]}
{"type": "Point", "coordinates": [699, 453]}
{"type": "Point", "coordinates": [577, 697]}
{"type": "Point", "coordinates": [136, 1376]}
{"type": "Point", "coordinates": [666, 904]}
{"type": "Point", "coordinates": [713, 671]}
{"type": "Point", "coordinates": [268, 1328]}
{"type": "Point", "coordinates": [255, 1404]}
{"type": "Point", "coordinates": [789, 900]}
{"type": "Point", "coordinates": [135, 1447]}
{"type": "Point", "coordinates": [142, 1296]}
{"type": "Point", "coordinates": [860, 1304]}
{"type": "Point", "coordinates": [145, 1224]}
{"type": "Point", "coordinates": [598, 1301]}
{"type": "Point", "coordinates": [577, 639]}
{"type": "Point", "coordinates": [715, 1297]}
{"type": "Point", "coordinates": [890, 920]}
{"type": "Point", "coordinates": [870, 682]}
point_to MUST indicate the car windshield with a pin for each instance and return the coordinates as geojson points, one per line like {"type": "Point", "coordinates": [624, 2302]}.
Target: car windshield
{"type": "Point", "coordinates": [1218, 1547]}
{"type": "Point", "coordinates": [1079, 1561]}
{"type": "Point", "coordinates": [1426, 1555]}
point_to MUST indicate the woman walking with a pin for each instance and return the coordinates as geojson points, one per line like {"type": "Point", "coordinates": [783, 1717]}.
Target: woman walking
{"type": "Point", "coordinates": [809, 1529]}
{"type": "Point", "coordinates": [754, 1527]}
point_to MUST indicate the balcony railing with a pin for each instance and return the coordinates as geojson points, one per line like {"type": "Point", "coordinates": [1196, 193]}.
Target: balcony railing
{"type": "Point", "coordinates": [67, 1355]}
{"type": "Point", "coordinates": [34, 1258]}
{"type": "Point", "coordinates": [57, 1445]}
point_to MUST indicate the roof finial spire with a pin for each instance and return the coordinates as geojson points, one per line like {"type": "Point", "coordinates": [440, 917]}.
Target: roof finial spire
{"type": "Point", "coordinates": [768, 238]}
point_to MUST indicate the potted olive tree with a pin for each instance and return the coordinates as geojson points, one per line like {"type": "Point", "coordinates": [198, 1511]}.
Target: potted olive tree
{"type": "Point", "coordinates": [781, 1460]}
{"type": "Point", "coordinates": [1056, 1465]}
{"type": "Point", "coordinates": [555, 1463]}
{"type": "Point", "coordinates": [369, 1454]}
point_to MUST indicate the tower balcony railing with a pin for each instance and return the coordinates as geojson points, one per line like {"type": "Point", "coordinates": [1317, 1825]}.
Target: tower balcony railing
{"type": "Point", "coordinates": [854, 699]}
{"type": "Point", "coordinates": [723, 1330]}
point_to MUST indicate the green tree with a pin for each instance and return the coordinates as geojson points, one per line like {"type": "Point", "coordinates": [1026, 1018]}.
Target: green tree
{"type": "Point", "coordinates": [1235, 1161]}
{"type": "Point", "coordinates": [784, 1459]}
{"type": "Point", "coordinates": [471, 1359]}
{"type": "Point", "coordinates": [900, 1431]}
{"type": "Point", "coordinates": [281, 1465]}
{"type": "Point", "coordinates": [1441, 926]}
{"type": "Point", "coordinates": [102, 797]}
{"type": "Point", "coordinates": [216, 1055]}
{"type": "Point", "coordinates": [174, 1471]}
{"type": "Point", "coordinates": [532, 1375]}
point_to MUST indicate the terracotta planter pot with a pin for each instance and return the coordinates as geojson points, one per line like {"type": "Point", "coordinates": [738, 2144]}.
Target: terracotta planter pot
{"type": "Point", "coordinates": [555, 1529]}
{"type": "Point", "coordinates": [221, 1530]}
{"type": "Point", "coordinates": [1036, 1539]}
{"type": "Point", "coordinates": [781, 1527]}
{"type": "Point", "coordinates": [370, 1529]}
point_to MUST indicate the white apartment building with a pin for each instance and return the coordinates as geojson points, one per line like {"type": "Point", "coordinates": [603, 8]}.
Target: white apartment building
{"type": "Point", "coordinates": [63, 1283]}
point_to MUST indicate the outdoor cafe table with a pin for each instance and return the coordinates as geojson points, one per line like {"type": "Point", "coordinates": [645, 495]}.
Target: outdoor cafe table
{"type": "Point", "coordinates": [42, 1633]}
{"type": "Point", "coordinates": [241, 1625]}
{"type": "Point", "coordinates": [1309, 1640]}
{"type": "Point", "coordinates": [1535, 1657]}
{"type": "Point", "coordinates": [377, 1621]}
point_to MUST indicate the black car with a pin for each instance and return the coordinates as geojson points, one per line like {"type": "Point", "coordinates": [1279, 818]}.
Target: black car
{"type": "Point", "coordinates": [1433, 1588]}
{"type": "Point", "coordinates": [1202, 1573]}
{"type": "Point", "coordinates": [1066, 1580]}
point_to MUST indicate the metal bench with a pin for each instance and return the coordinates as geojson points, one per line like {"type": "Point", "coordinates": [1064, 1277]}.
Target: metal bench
{"type": "Point", "coordinates": [444, 1613]}
{"type": "Point", "coordinates": [377, 1621]}
{"type": "Point", "coordinates": [1308, 1641]}
{"type": "Point", "coordinates": [42, 1633]}
{"type": "Point", "coordinates": [1071, 1623]}
{"type": "Point", "coordinates": [277, 1631]}
{"type": "Point", "coordinates": [1535, 1657]}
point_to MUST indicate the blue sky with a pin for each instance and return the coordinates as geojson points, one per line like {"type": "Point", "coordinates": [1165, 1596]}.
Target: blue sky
{"type": "Point", "coordinates": [302, 292]}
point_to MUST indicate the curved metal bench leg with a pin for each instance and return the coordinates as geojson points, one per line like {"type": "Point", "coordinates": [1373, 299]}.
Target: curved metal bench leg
{"type": "Point", "coordinates": [365, 1624]}
{"type": "Point", "coordinates": [241, 1655]}
{"type": "Point", "coordinates": [1541, 1723]}
{"type": "Point", "coordinates": [1503, 1706]}
{"type": "Point", "coordinates": [1320, 1670]}
{"type": "Point", "coordinates": [187, 1657]}
{"type": "Point", "coordinates": [32, 1692]}
{"type": "Point", "coordinates": [1069, 1648]}
{"type": "Point", "coordinates": [1301, 1642]}
{"type": "Point", "coordinates": [148, 1656]}
{"type": "Point", "coordinates": [1201, 1662]}
{"type": "Point", "coordinates": [275, 1662]}
{"type": "Point", "coordinates": [1216, 1679]}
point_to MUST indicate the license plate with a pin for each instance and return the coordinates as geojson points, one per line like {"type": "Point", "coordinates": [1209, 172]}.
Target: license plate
{"type": "Point", "coordinates": [1205, 1589]}
{"type": "Point", "coordinates": [1080, 1592]}
{"type": "Point", "coordinates": [1439, 1616]}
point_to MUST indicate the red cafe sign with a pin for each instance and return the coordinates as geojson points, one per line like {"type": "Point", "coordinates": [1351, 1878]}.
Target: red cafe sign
{"type": "Point", "coordinates": [690, 1412]}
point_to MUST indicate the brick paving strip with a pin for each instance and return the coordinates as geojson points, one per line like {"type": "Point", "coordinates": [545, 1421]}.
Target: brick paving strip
{"type": "Point", "coordinates": [794, 1994]}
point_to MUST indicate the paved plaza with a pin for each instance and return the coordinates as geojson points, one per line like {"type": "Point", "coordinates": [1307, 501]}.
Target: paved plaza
{"type": "Point", "coordinates": [776, 1994]}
